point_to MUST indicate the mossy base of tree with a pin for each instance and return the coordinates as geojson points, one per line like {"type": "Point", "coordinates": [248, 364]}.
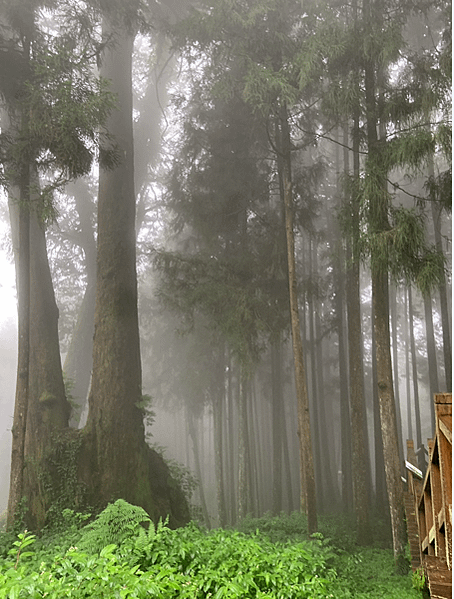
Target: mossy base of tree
{"type": "Point", "coordinates": [69, 477]}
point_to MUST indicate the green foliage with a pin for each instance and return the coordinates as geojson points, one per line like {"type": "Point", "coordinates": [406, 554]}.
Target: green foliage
{"type": "Point", "coordinates": [181, 475]}
{"type": "Point", "coordinates": [24, 539]}
{"type": "Point", "coordinates": [195, 564]}
{"type": "Point", "coordinates": [59, 478]}
{"type": "Point", "coordinates": [113, 525]}
{"type": "Point", "coordinates": [418, 580]}
{"type": "Point", "coordinates": [59, 108]}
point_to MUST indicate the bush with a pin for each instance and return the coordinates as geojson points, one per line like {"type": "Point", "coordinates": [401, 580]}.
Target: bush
{"type": "Point", "coordinates": [270, 558]}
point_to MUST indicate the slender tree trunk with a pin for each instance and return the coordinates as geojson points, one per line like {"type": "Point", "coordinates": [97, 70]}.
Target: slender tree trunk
{"type": "Point", "coordinates": [380, 300]}
{"type": "Point", "coordinates": [407, 368]}
{"type": "Point", "coordinates": [231, 447]}
{"type": "Point", "coordinates": [276, 423]}
{"type": "Point", "coordinates": [287, 468]}
{"type": "Point", "coordinates": [219, 445]}
{"type": "Point", "coordinates": [419, 443]}
{"type": "Point", "coordinates": [395, 359]}
{"type": "Point", "coordinates": [308, 493]}
{"type": "Point", "coordinates": [431, 350]}
{"type": "Point", "coordinates": [380, 477]}
{"type": "Point", "coordinates": [22, 385]}
{"type": "Point", "coordinates": [243, 487]}
{"type": "Point", "coordinates": [79, 359]}
{"type": "Point", "coordinates": [359, 438]}
{"type": "Point", "coordinates": [445, 319]}
{"type": "Point", "coordinates": [315, 403]}
{"type": "Point", "coordinates": [197, 466]}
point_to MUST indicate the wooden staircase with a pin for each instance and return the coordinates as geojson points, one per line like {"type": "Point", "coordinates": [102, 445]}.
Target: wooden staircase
{"type": "Point", "coordinates": [428, 505]}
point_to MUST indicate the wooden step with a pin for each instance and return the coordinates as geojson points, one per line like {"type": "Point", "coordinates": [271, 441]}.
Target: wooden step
{"type": "Point", "coordinates": [439, 578]}
{"type": "Point", "coordinates": [412, 531]}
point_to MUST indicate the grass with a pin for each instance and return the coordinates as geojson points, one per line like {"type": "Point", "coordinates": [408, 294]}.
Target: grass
{"type": "Point", "coordinates": [120, 555]}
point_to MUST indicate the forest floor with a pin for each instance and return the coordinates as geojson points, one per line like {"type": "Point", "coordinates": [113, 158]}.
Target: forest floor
{"type": "Point", "coordinates": [115, 556]}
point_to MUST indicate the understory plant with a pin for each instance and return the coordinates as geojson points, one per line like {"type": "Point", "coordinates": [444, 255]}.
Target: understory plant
{"type": "Point", "coordinates": [123, 554]}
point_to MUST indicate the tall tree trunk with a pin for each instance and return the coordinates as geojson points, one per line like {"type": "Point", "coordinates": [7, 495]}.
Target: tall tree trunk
{"type": "Point", "coordinates": [41, 410]}
{"type": "Point", "coordinates": [407, 367]}
{"type": "Point", "coordinates": [379, 224]}
{"type": "Point", "coordinates": [243, 461]}
{"type": "Point", "coordinates": [198, 468]}
{"type": "Point", "coordinates": [48, 410]}
{"type": "Point", "coordinates": [276, 422]}
{"type": "Point", "coordinates": [359, 438]}
{"type": "Point", "coordinates": [380, 476]}
{"type": "Point", "coordinates": [445, 319]}
{"type": "Point", "coordinates": [395, 359]}
{"type": "Point", "coordinates": [340, 307]}
{"type": "Point", "coordinates": [116, 462]}
{"type": "Point", "coordinates": [79, 359]}
{"type": "Point", "coordinates": [308, 494]}
{"type": "Point", "coordinates": [114, 416]}
{"type": "Point", "coordinates": [419, 443]}
{"type": "Point", "coordinates": [431, 351]}
{"type": "Point", "coordinates": [218, 394]}
{"type": "Point", "coordinates": [315, 401]}
{"type": "Point", "coordinates": [22, 253]}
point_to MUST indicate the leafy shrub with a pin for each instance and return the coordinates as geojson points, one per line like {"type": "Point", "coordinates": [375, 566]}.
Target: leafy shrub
{"type": "Point", "coordinates": [191, 563]}
{"type": "Point", "coordinates": [280, 528]}
{"type": "Point", "coordinates": [113, 525]}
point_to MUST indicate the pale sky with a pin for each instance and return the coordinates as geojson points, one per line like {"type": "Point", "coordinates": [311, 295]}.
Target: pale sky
{"type": "Point", "coordinates": [8, 307]}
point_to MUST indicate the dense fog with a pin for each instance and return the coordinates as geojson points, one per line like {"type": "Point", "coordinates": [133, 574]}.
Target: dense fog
{"type": "Point", "coordinates": [245, 157]}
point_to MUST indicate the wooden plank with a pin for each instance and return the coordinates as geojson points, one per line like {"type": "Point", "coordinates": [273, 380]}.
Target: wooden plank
{"type": "Point", "coordinates": [443, 398]}
{"type": "Point", "coordinates": [445, 424]}
{"type": "Point", "coordinates": [441, 518]}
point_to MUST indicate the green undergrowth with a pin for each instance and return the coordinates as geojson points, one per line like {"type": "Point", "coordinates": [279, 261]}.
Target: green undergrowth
{"type": "Point", "coordinates": [123, 554]}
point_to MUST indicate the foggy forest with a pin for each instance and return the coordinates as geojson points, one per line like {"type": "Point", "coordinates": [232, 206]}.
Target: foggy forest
{"type": "Point", "coordinates": [230, 223]}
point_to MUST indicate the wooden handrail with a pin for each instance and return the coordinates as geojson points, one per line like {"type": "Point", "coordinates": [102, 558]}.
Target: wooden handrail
{"type": "Point", "coordinates": [432, 501]}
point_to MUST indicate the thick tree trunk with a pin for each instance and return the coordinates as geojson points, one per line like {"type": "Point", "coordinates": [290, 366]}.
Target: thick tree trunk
{"type": "Point", "coordinates": [116, 462]}
{"type": "Point", "coordinates": [308, 493]}
{"type": "Point", "coordinates": [41, 410]}
{"type": "Point", "coordinates": [48, 411]}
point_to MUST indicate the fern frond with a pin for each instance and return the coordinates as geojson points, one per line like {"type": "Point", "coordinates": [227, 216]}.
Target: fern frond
{"type": "Point", "coordinates": [117, 522]}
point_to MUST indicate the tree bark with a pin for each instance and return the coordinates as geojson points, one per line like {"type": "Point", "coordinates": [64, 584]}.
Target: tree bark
{"type": "Point", "coordinates": [445, 319]}
{"type": "Point", "coordinates": [308, 493]}
{"type": "Point", "coordinates": [359, 438]}
{"type": "Point", "coordinates": [22, 253]}
{"type": "Point", "coordinates": [243, 460]}
{"type": "Point", "coordinates": [419, 443]}
{"type": "Point", "coordinates": [378, 223]}
{"type": "Point", "coordinates": [276, 423]}
{"type": "Point", "coordinates": [431, 352]}
{"type": "Point", "coordinates": [218, 395]}
{"type": "Point", "coordinates": [116, 462]}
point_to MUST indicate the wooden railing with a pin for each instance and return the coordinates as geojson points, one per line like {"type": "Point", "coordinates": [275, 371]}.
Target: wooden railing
{"type": "Point", "coordinates": [430, 495]}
